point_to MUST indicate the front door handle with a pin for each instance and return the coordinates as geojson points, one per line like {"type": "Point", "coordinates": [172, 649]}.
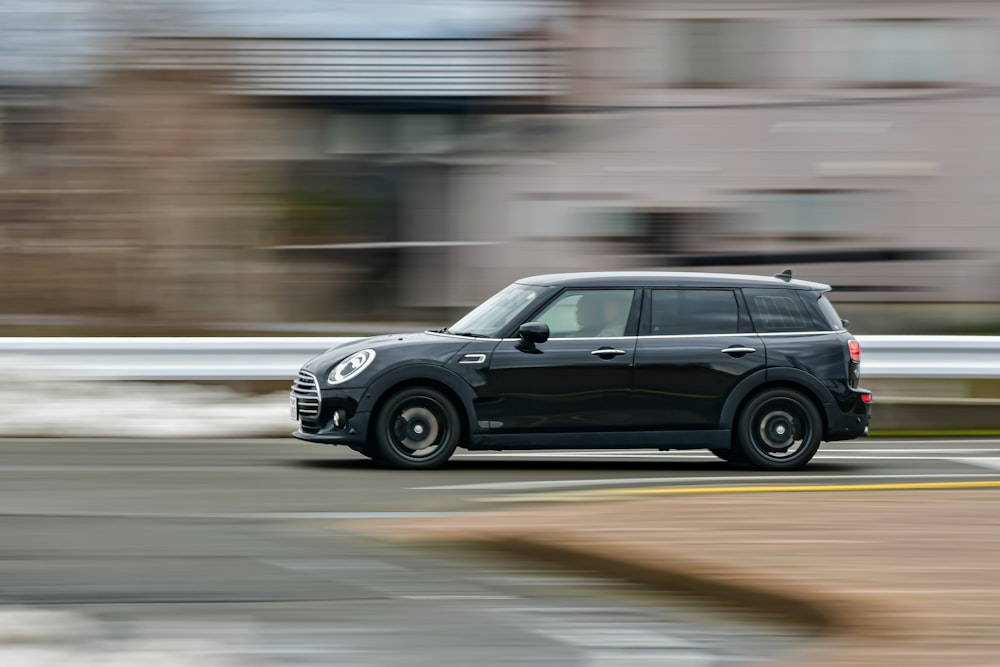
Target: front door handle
{"type": "Point", "coordinates": [607, 352]}
{"type": "Point", "coordinates": [738, 351]}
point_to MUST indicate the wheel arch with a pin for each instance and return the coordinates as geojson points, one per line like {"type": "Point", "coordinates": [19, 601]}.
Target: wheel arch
{"type": "Point", "coordinates": [790, 378]}
{"type": "Point", "coordinates": [433, 377]}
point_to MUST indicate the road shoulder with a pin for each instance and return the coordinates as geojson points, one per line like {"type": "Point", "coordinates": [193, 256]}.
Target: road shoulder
{"type": "Point", "coordinates": [889, 577]}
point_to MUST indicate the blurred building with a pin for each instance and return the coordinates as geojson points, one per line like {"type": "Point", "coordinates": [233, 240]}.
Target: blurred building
{"type": "Point", "coordinates": [238, 160]}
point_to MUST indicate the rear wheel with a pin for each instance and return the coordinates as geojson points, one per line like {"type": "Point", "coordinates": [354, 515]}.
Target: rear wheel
{"type": "Point", "coordinates": [418, 427]}
{"type": "Point", "coordinates": [779, 429]}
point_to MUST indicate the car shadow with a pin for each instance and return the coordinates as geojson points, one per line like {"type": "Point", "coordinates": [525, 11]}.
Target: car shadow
{"type": "Point", "coordinates": [584, 465]}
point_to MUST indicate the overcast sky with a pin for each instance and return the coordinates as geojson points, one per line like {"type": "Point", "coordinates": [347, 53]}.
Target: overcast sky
{"type": "Point", "coordinates": [369, 18]}
{"type": "Point", "coordinates": [280, 18]}
{"type": "Point", "coordinates": [49, 40]}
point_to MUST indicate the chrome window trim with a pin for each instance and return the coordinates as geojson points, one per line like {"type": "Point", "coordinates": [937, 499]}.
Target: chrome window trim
{"type": "Point", "coordinates": [802, 333]}
{"type": "Point", "coordinates": [712, 335]}
{"type": "Point", "coordinates": [551, 338]}
{"type": "Point", "coordinates": [741, 335]}
{"type": "Point", "coordinates": [718, 335]}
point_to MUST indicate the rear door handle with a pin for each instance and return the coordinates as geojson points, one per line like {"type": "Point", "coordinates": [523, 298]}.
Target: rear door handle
{"type": "Point", "coordinates": [607, 352]}
{"type": "Point", "coordinates": [736, 350]}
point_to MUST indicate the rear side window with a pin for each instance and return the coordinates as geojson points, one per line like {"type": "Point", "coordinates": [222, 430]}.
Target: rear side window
{"type": "Point", "coordinates": [690, 311]}
{"type": "Point", "coordinates": [776, 311]}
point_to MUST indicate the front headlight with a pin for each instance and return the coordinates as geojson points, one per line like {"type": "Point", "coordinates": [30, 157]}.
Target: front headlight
{"type": "Point", "coordinates": [351, 366]}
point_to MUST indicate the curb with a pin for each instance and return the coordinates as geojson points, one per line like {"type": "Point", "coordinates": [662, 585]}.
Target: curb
{"type": "Point", "coordinates": [829, 615]}
{"type": "Point", "coordinates": [675, 577]}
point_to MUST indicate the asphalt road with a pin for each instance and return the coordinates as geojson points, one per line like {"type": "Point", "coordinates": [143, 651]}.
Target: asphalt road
{"type": "Point", "coordinates": [246, 552]}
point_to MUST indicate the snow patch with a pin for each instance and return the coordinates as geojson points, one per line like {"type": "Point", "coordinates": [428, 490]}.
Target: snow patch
{"type": "Point", "coordinates": [37, 402]}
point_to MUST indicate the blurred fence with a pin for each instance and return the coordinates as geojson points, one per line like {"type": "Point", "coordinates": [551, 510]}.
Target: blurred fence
{"type": "Point", "coordinates": [278, 358]}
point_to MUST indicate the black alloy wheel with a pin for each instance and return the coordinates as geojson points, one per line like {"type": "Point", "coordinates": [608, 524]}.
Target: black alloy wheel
{"type": "Point", "coordinates": [779, 429]}
{"type": "Point", "coordinates": [417, 427]}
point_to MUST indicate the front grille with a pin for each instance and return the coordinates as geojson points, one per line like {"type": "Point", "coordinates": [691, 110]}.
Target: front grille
{"type": "Point", "coordinates": [305, 389]}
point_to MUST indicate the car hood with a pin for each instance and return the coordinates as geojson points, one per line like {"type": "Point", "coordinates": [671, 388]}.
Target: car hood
{"type": "Point", "coordinates": [413, 347]}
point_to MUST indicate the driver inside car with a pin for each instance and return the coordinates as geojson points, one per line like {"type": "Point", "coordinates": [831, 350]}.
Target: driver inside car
{"type": "Point", "coordinates": [601, 315]}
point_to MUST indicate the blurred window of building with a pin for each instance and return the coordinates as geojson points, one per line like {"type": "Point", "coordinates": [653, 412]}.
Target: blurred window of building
{"type": "Point", "coordinates": [669, 231]}
{"type": "Point", "coordinates": [425, 133]}
{"type": "Point", "coordinates": [361, 134]}
{"type": "Point", "coordinates": [560, 216]}
{"type": "Point", "coordinates": [422, 134]}
{"type": "Point", "coordinates": [808, 214]}
{"type": "Point", "coordinates": [511, 132]}
{"type": "Point", "coordinates": [903, 53]}
{"type": "Point", "coordinates": [709, 53]}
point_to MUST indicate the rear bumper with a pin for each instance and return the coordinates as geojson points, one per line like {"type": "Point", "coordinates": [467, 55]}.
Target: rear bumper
{"type": "Point", "coordinates": [852, 422]}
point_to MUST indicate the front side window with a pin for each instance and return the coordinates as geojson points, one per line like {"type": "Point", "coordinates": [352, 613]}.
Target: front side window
{"type": "Point", "coordinates": [588, 313]}
{"type": "Point", "coordinates": [675, 312]}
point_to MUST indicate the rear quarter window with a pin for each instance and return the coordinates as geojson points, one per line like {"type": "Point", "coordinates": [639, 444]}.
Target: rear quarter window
{"type": "Point", "coordinates": [825, 313]}
{"type": "Point", "coordinates": [778, 311]}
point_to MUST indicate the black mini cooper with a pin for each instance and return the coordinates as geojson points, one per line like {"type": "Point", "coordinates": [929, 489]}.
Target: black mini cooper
{"type": "Point", "coordinates": [759, 370]}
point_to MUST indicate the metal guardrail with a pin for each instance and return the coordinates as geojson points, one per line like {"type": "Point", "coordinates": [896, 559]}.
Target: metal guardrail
{"type": "Point", "coordinates": [961, 357]}
{"type": "Point", "coordinates": [279, 358]}
{"type": "Point", "coordinates": [163, 358]}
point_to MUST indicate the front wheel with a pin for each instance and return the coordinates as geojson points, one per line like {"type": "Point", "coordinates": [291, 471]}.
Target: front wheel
{"type": "Point", "coordinates": [418, 427]}
{"type": "Point", "coordinates": [779, 429]}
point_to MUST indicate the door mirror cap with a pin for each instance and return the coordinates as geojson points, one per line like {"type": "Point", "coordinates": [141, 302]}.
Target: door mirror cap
{"type": "Point", "coordinates": [532, 333]}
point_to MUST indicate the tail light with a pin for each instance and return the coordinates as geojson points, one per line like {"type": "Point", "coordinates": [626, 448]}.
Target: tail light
{"type": "Point", "coordinates": [855, 349]}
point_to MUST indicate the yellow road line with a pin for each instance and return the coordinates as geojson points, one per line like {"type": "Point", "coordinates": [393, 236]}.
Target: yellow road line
{"type": "Point", "coordinates": [605, 494]}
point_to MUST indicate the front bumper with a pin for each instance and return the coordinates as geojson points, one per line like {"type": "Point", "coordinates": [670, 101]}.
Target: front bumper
{"type": "Point", "coordinates": [338, 421]}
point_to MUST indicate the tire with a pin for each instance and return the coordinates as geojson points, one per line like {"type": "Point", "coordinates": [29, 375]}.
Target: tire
{"type": "Point", "coordinates": [417, 428]}
{"type": "Point", "coordinates": [779, 429]}
{"type": "Point", "coordinates": [732, 455]}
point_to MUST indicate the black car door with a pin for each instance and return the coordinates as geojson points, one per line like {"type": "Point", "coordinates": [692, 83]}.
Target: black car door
{"type": "Point", "coordinates": [695, 346]}
{"type": "Point", "coordinates": [578, 380]}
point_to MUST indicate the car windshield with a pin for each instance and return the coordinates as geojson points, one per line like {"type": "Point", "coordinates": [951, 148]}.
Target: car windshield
{"type": "Point", "coordinates": [497, 313]}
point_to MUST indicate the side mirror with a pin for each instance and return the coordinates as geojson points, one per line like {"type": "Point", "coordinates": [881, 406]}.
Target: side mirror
{"type": "Point", "coordinates": [532, 333]}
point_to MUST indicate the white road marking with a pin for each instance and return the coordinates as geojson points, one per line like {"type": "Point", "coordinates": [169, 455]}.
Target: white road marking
{"type": "Point", "coordinates": [913, 450]}
{"type": "Point", "coordinates": [833, 455]}
{"type": "Point", "coordinates": [457, 597]}
{"type": "Point", "coordinates": [697, 453]}
{"type": "Point", "coordinates": [859, 456]}
{"type": "Point", "coordinates": [686, 480]}
{"type": "Point", "coordinates": [234, 516]}
{"type": "Point", "coordinates": [130, 468]}
{"type": "Point", "coordinates": [989, 463]}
